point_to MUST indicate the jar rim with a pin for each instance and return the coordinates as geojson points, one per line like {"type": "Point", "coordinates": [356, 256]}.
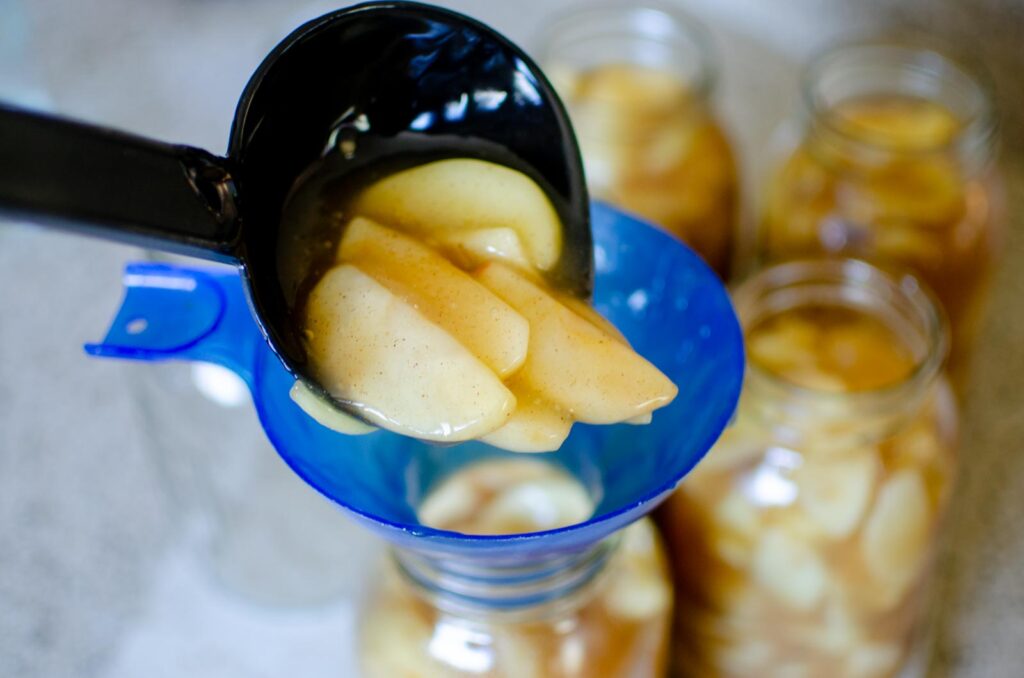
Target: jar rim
{"type": "Point", "coordinates": [923, 67]}
{"type": "Point", "coordinates": [653, 20]}
{"type": "Point", "coordinates": [857, 275]}
{"type": "Point", "coordinates": [515, 591]}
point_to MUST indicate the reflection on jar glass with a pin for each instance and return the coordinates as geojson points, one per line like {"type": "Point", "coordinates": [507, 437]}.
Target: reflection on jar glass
{"type": "Point", "coordinates": [602, 612]}
{"type": "Point", "coordinates": [896, 166]}
{"type": "Point", "coordinates": [637, 82]}
{"type": "Point", "coordinates": [802, 543]}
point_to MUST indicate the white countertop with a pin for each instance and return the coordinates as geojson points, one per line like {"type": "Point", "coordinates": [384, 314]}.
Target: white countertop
{"type": "Point", "coordinates": [100, 572]}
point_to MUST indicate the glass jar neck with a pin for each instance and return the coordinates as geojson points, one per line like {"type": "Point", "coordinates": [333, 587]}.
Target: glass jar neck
{"type": "Point", "coordinates": [885, 71]}
{"type": "Point", "coordinates": [538, 588]}
{"type": "Point", "coordinates": [794, 411]}
{"type": "Point", "coordinates": [653, 35]}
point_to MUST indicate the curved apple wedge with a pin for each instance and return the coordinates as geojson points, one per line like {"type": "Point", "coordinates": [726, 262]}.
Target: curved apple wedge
{"type": "Point", "coordinates": [326, 413]}
{"type": "Point", "coordinates": [590, 374]}
{"type": "Point", "coordinates": [475, 248]}
{"type": "Point", "coordinates": [443, 293]}
{"type": "Point", "coordinates": [465, 194]}
{"type": "Point", "coordinates": [590, 314]}
{"type": "Point", "coordinates": [402, 372]}
{"type": "Point", "coordinates": [535, 426]}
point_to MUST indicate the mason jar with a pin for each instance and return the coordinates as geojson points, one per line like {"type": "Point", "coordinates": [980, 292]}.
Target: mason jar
{"type": "Point", "coordinates": [895, 164]}
{"type": "Point", "coordinates": [250, 521]}
{"type": "Point", "coordinates": [602, 611]}
{"type": "Point", "coordinates": [637, 82]}
{"type": "Point", "coordinates": [802, 544]}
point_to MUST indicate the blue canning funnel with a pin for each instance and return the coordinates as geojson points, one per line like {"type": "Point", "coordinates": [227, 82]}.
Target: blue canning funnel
{"type": "Point", "coordinates": [667, 302]}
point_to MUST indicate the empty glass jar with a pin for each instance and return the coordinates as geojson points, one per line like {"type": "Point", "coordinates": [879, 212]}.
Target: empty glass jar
{"type": "Point", "coordinates": [637, 82]}
{"type": "Point", "coordinates": [262, 532]}
{"type": "Point", "coordinates": [802, 543]}
{"type": "Point", "coordinates": [895, 165]}
{"type": "Point", "coordinates": [603, 611]}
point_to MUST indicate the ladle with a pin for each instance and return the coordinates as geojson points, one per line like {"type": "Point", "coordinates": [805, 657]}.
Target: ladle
{"type": "Point", "coordinates": [355, 87]}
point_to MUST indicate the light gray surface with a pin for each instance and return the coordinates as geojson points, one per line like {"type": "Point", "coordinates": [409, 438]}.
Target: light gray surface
{"type": "Point", "coordinates": [95, 568]}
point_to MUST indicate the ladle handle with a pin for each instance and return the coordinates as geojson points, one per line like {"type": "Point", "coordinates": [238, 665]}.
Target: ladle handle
{"type": "Point", "coordinates": [117, 186]}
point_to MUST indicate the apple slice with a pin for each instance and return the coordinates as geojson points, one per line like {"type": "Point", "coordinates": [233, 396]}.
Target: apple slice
{"type": "Point", "coordinates": [640, 420]}
{"type": "Point", "coordinates": [641, 587]}
{"type": "Point", "coordinates": [895, 537]}
{"type": "Point", "coordinates": [590, 314]}
{"type": "Point", "coordinates": [791, 569]}
{"type": "Point", "coordinates": [835, 491]}
{"type": "Point", "coordinates": [444, 294]}
{"type": "Point", "coordinates": [535, 426]}
{"type": "Point", "coordinates": [543, 504]}
{"type": "Point", "coordinates": [370, 348]}
{"type": "Point", "coordinates": [326, 414]}
{"type": "Point", "coordinates": [584, 370]}
{"type": "Point", "coordinates": [463, 194]}
{"type": "Point", "coordinates": [474, 248]}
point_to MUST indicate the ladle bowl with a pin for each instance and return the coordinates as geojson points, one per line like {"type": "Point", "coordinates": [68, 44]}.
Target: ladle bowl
{"type": "Point", "coordinates": [360, 86]}
{"type": "Point", "coordinates": [667, 302]}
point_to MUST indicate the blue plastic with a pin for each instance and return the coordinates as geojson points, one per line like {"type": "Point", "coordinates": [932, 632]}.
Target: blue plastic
{"type": "Point", "coordinates": [667, 302]}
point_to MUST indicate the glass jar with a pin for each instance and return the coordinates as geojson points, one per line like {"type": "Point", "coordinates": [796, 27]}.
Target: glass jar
{"type": "Point", "coordinates": [802, 543]}
{"type": "Point", "coordinates": [260, 531]}
{"type": "Point", "coordinates": [895, 166]}
{"type": "Point", "coordinates": [604, 611]}
{"type": "Point", "coordinates": [637, 81]}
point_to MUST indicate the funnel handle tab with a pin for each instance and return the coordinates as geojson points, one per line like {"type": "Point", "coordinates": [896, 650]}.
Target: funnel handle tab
{"type": "Point", "coordinates": [174, 312]}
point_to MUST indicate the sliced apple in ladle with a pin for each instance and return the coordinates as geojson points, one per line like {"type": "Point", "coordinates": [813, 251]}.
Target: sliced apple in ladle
{"type": "Point", "coordinates": [327, 414]}
{"type": "Point", "coordinates": [588, 312]}
{"type": "Point", "coordinates": [374, 351]}
{"type": "Point", "coordinates": [592, 375]}
{"type": "Point", "coordinates": [460, 195]}
{"type": "Point", "coordinates": [474, 248]}
{"type": "Point", "coordinates": [444, 318]}
{"type": "Point", "coordinates": [536, 425]}
{"type": "Point", "coordinates": [440, 291]}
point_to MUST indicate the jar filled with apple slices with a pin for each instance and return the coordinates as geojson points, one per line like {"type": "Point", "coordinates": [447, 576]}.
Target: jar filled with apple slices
{"type": "Point", "coordinates": [803, 542]}
{"type": "Point", "coordinates": [604, 611]}
{"type": "Point", "coordinates": [638, 82]}
{"type": "Point", "coordinates": [433, 315]}
{"type": "Point", "coordinates": [895, 164]}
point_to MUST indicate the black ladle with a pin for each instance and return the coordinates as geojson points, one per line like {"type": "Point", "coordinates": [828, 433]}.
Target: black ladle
{"type": "Point", "coordinates": [354, 87]}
